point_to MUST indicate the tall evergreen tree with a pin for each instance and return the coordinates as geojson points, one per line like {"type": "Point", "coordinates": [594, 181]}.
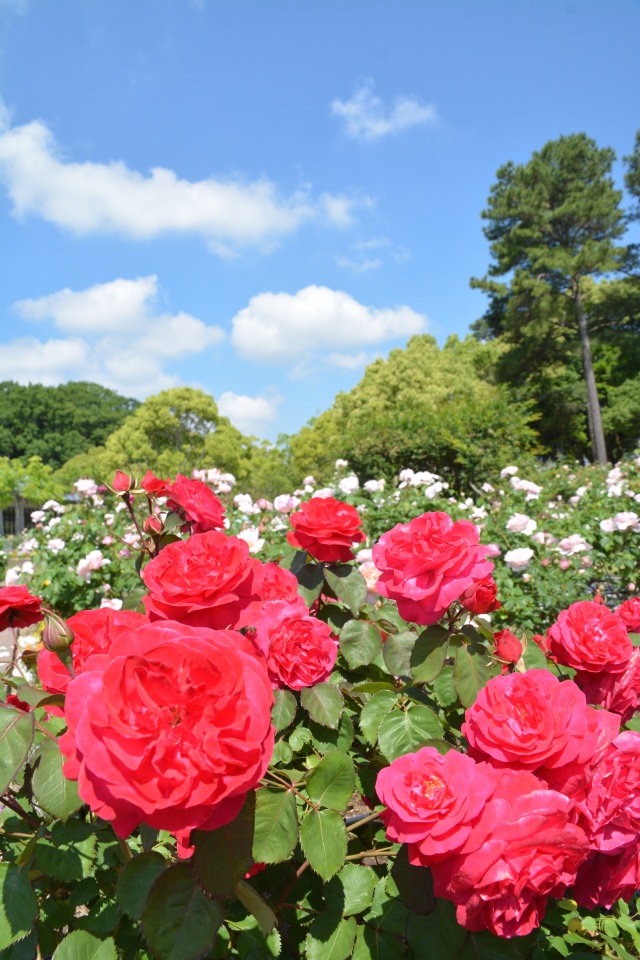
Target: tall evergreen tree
{"type": "Point", "coordinates": [552, 224]}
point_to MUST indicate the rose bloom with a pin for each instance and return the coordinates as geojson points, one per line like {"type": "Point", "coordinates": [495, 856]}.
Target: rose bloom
{"type": "Point", "coordinates": [604, 879]}
{"type": "Point", "coordinates": [519, 559]}
{"type": "Point", "coordinates": [617, 692]}
{"type": "Point", "coordinates": [153, 486]}
{"type": "Point", "coordinates": [588, 636]}
{"type": "Point", "coordinates": [93, 632]}
{"type": "Point", "coordinates": [523, 850]}
{"type": "Point", "coordinates": [278, 584]}
{"type": "Point", "coordinates": [609, 803]}
{"type": "Point", "coordinates": [521, 523]}
{"type": "Point", "coordinates": [481, 597]}
{"type": "Point", "coordinates": [327, 529]}
{"type": "Point", "coordinates": [19, 608]}
{"type": "Point", "coordinates": [196, 503]}
{"type": "Point", "coordinates": [532, 720]}
{"type": "Point", "coordinates": [299, 649]}
{"type": "Point", "coordinates": [207, 580]}
{"type": "Point", "coordinates": [171, 727]}
{"type": "Point", "coordinates": [629, 613]}
{"type": "Point", "coordinates": [432, 801]}
{"type": "Point", "coordinates": [429, 563]}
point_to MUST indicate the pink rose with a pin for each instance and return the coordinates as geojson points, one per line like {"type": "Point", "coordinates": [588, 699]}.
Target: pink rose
{"type": "Point", "coordinates": [629, 613]}
{"type": "Point", "coordinates": [299, 649]}
{"type": "Point", "coordinates": [432, 801]}
{"type": "Point", "coordinates": [617, 692]}
{"type": "Point", "coordinates": [278, 584]}
{"type": "Point", "coordinates": [588, 637]}
{"type": "Point", "coordinates": [428, 563]}
{"type": "Point", "coordinates": [196, 504]}
{"type": "Point", "coordinates": [609, 804]}
{"type": "Point", "coordinates": [531, 720]}
{"type": "Point", "coordinates": [603, 879]}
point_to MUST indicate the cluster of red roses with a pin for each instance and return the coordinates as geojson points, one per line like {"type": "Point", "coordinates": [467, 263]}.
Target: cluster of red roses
{"type": "Point", "coordinates": [169, 713]}
{"type": "Point", "coordinates": [548, 797]}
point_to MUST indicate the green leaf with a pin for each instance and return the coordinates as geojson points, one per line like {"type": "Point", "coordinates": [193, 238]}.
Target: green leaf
{"type": "Point", "coordinates": [284, 709]}
{"type": "Point", "coordinates": [470, 674]}
{"type": "Point", "coordinates": [438, 936]}
{"type": "Point", "coordinates": [257, 907]}
{"type": "Point", "coordinates": [372, 944]}
{"type": "Point", "coordinates": [16, 736]}
{"type": "Point", "coordinates": [534, 658]}
{"type": "Point", "coordinates": [310, 582]}
{"type": "Point", "coordinates": [136, 879]}
{"type": "Point", "coordinates": [326, 740]}
{"type": "Point", "coordinates": [429, 654]}
{"type": "Point", "coordinates": [360, 643]}
{"type": "Point", "coordinates": [404, 731]}
{"type": "Point", "coordinates": [25, 949]}
{"type": "Point", "coordinates": [178, 921]}
{"type": "Point", "coordinates": [443, 687]}
{"type": "Point", "coordinates": [65, 859]}
{"type": "Point", "coordinates": [52, 791]}
{"type": "Point", "coordinates": [415, 884]}
{"type": "Point", "coordinates": [358, 883]}
{"type": "Point", "coordinates": [348, 584]}
{"type": "Point", "coordinates": [276, 825]}
{"type": "Point", "coordinates": [18, 905]}
{"type": "Point", "coordinates": [222, 857]}
{"type": "Point", "coordinates": [397, 652]}
{"type": "Point", "coordinates": [330, 938]}
{"type": "Point", "coordinates": [323, 836]}
{"type": "Point", "coordinates": [80, 945]}
{"type": "Point", "coordinates": [324, 703]}
{"type": "Point", "coordinates": [333, 781]}
{"type": "Point", "coordinates": [377, 707]}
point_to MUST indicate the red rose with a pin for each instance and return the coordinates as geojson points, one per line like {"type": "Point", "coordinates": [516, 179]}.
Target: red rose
{"type": "Point", "coordinates": [208, 580]}
{"type": "Point", "coordinates": [93, 632]}
{"type": "Point", "coordinates": [507, 647]}
{"type": "Point", "coordinates": [629, 613]}
{"type": "Point", "coordinates": [196, 503]}
{"type": "Point", "coordinates": [278, 584]}
{"type": "Point", "coordinates": [299, 649]}
{"type": "Point", "coordinates": [609, 803]}
{"type": "Point", "coordinates": [18, 608]}
{"type": "Point", "coordinates": [523, 850]}
{"type": "Point", "coordinates": [617, 692]}
{"type": "Point", "coordinates": [152, 485]}
{"type": "Point", "coordinates": [433, 802]}
{"type": "Point", "coordinates": [428, 563]}
{"type": "Point", "coordinates": [531, 720]}
{"type": "Point", "coordinates": [122, 482]}
{"type": "Point", "coordinates": [587, 636]}
{"type": "Point", "coordinates": [171, 727]}
{"type": "Point", "coordinates": [327, 529]}
{"type": "Point", "coordinates": [481, 597]}
{"type": "Point", "coordinates": [603, 879]}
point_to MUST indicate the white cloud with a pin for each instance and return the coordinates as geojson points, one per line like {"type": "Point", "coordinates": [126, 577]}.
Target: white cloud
{"type": "Point", "coordinates": [251, 415]}
{"type": "Point", "coordinates": [351, 361]}
{"type": "Point", "coordinates": [362, 261]}
{"type": "Point", "coordinates": [358, 266]}
{"type": "Point", "coordinates": [119, 338]}
{"type": "Point", "coordinates": [367, 118]}
{"type": "Point", "coordinates": [87, 197]}
{"type": "Point", "coordinates": [291, 328]}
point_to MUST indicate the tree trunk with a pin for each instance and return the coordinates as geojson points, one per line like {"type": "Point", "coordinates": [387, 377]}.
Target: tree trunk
{"type": "Point", "coordinates": [593, 403]}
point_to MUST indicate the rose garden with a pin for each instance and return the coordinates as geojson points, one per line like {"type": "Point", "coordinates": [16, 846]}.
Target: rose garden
{"type": "Point", "coordinates": [365, 719]}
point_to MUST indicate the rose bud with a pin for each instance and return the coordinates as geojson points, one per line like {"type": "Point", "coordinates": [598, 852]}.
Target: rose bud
{"type": "Point", "coordinates": [507, 646]}
{"type": "Point", "coordinates": [481, 597]}
{"type": "Point", "coordinates": [57, 634]}
{"type": "Point", "coordinates": [122, 482]}
{"type": "Point", "coordinates": [153, 525]}
{"type": "Point", "coordinates": [19, 704]}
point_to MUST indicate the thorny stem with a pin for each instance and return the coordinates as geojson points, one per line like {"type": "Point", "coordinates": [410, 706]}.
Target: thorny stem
{"type": "Point", "coordinates": [290, 787]}
{"type": "Point", "coordinates": [124, 846]}
{"type": "Point", "coordinates": [380, 852]}
{"type": "Point", "coordinates": [127, 500]}
{"type": "Point", "coordinates": [285, 893]}
{"type": "Point", "coordinates": [17, 809]}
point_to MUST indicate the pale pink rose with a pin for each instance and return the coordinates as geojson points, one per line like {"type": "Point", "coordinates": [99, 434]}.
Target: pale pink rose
{"type": "Point", "coordinates": [608, 526]}
{"type": "Point", "coordinates": [531, 489]}
{"type": "Point", "coordinates": [508, 472]}
{"type": "Point", "coordinates": [251, 535]}
{"type": "Point", "coordinates": [323, 493]}
{"type": "Point", "coordinates": [56, 545]}
{"type": "Point", "coordinates": [107, 541]}
{"type": "Point", "coordinates": [285, 503]}
{"type": "Point", "coordinates": [86, 487]}
{"type": "Point", "coordinates": [371, 574]}
{"type": "Point", "coordinates": [521, 523]}
{"type": "Point", "coordinates": [569, 546]}
{"type": "Point", "coordinates": [349, 484]}
{"type": "Point", "coordinates": [626, 520]}
{"type": "Point", "coordinates": [92, 562]}
{"type": "Point", "coordinates": [518, 559]}
{"type": "Point", "coordinates": [111, 603]}
{"type": "Point", "coordinates": [492, 550]}
{"type": "Point", "coordinates": [37, 516]}
{"type": "Point", "coordinates": [374, 486]}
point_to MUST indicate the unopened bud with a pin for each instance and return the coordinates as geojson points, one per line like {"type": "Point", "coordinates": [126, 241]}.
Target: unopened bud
{"type": "Point", "coordinates": [57, 634]}
{"type": "Point", "coordinates": [507, 646]}
{"type": "Point", "coordinates": [122, 482]}
{"type": "Point", "coordinates": [153, 525]}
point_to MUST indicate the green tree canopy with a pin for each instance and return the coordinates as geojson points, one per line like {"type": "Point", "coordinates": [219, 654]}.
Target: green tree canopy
{"type": "Point", "coordinates": [56, 423]}
{"type": "Point", "coordinates": [553, 223]}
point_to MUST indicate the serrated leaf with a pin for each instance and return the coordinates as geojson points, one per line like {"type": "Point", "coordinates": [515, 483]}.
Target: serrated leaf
{"type": "Point", "coordinates": [330, 938]}
{"type": "Point", "coordinates": [136, 879]}
{"type": "Point", "coordinates": [310, 579]}
{"type": "Point", "coordinates": [405, 731]}
{"type": "Point", "coordinates": [257, 907]}
{"type": "Point", "coordinates": [222, 857]}
{"type": "Point", "coordinates": [324, 703]}
{"type": "Point", "coordinates": [397, 652]}
{"type": "Point", "coordinates": [80, 945]}
{"type": "Point", "coordinates": [333, 781]}
{"type": "Point", "coordinates": [377, 707]}
{"type": "Point", "coordinates": [348, 584]}
{"type": "Point", "coordinates": [429, 654]}
{"type": "Point", "coordinates": [284, 709]}
{"type": "Point", "coordinates": [52, 791]}
{"type": "Point", "coordinates": [276, 825]}
{"type": "Point", "coordinates": [415, 884]}
{"type": "Point", "coordinates": [471, 672]}
{"type": "Point", "coordinates": [16, 736]}
{"type": "Point", "coordinates": [534, 658]}
{"type": "Point", "coordinates": [443, 687]}
{"type": "Point", "coordinates": [326, 740]}
{"type": "Point", "coordinates": [323, 836]}
{"type": "Point", "coordinates": [65, 860]}
{"type": "Point", "coordinates": [18, 905]}
{"type": "Point", "coordinates": [358, 883]}
{"type": "Point", "coordinates": [360, 643]}
{"type": "Point", "coordinates": [438, 936]}
{"type": "Point", "coordinates": [178, 921]}
{"type": "Point", "coordinates": [372, 944]}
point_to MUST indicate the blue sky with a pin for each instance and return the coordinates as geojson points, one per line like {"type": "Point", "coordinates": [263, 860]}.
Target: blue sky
{"type": "Point", "coordinates": [257, 198]}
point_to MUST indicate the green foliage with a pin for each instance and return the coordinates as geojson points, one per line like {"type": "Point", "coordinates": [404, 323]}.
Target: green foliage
{"type": "Point", "coordinates": [33, 481]}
